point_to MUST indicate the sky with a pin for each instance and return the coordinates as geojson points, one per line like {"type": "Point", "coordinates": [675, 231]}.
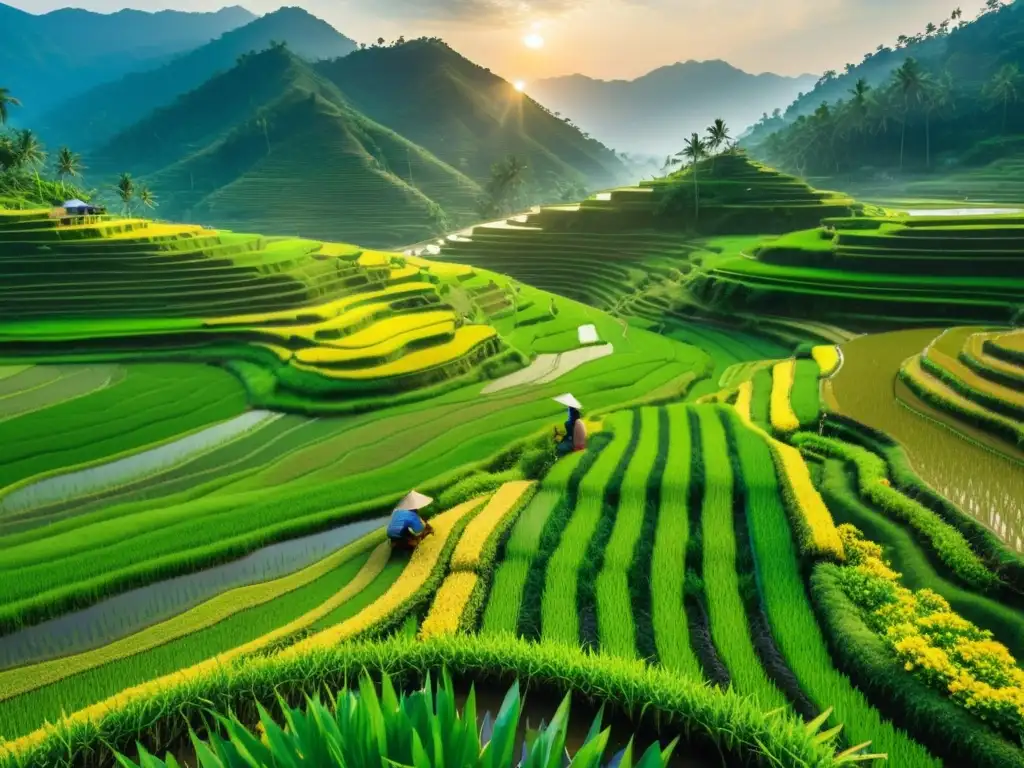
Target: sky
{"type": "Point", "coordinates": [610, 39]}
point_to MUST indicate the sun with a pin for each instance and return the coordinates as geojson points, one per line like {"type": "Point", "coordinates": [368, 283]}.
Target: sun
{"type": "Point", "coordinates": [533, 40]}
{"type": "Point", "coordinates": [519, 85]}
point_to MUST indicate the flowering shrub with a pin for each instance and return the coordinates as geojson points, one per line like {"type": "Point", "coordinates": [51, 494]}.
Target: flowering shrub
{"type": "Point", "coordinates": [937, 645]}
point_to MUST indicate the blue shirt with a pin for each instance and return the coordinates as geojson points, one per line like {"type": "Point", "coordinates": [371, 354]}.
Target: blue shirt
{"type": "Point", "coordinates": [403, 521]}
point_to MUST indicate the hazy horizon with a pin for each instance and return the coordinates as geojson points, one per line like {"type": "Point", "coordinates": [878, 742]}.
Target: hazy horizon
{"type": "Point", "coordinates": [609, 39]}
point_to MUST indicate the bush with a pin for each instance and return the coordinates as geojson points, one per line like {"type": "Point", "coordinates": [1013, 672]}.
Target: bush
{"type": "Point", "coordinates": [929, 716]}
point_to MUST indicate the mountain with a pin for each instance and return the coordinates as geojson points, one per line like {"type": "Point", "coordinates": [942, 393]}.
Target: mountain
{"type": "Point", "coordinates": [467, 116]}
{"type": "Point", "coordinates": [653, 113]}
{"type": "Point", "coordinates": [971, 48]}
{"type": "Point", "coordinates": [273, 146]}
{"type": "Point", "coordinates": [51, 57]}
{"type": "Point", "coordinates": [91, 119]}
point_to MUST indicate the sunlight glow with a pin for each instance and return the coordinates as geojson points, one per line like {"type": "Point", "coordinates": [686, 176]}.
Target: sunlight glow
{"type": "Point", "coordinates": [533, 40]}
{"type": "Point", "coordinates": [519, 85]}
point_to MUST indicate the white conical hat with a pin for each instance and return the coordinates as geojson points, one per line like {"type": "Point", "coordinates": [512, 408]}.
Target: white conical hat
{"type": "Point", "coordinates": [414, 500]}
{"type": "Point", "coordinates": [569, 401]}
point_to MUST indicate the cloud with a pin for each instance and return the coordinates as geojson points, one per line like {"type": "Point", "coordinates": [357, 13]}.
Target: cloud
{"type": "Point", "coordinates": [476, 11]}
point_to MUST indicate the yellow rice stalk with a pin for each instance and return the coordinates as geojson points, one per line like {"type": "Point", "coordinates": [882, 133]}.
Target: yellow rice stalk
{"type": "Point", "coordinates": [370, 570]}
{"type": "Point", "coordinates": [744, 397]}
{"type": "Point", "coordinates": [403, 273]}
{"type": "Point", "coordinates": [449, 604]}
{"type": "Point", "coordinates": [466, 339]}
{"type": "Point", "coordinates": [339, 250]}
{"type": "Point", "coordinates": [827, 357]}
{"type": "Point", "coordinates": [440, 268]}
{"type": "Point", "coordinates": [374, 259]}
{"type": "Point", "coordinates": [383, 331]}
{"type": "Point", "coordinates": [780, 411]}
{"type": "Point", "coordinates": [325, 311]}
{"type": "Point", "coordinates": [818, 533]}
{"type": "Point", "coordinates": [467, 552]}
{"type": "Point", "coordinates": [381, 342]}
{"type": "Point", "coordinates": [421, 564]}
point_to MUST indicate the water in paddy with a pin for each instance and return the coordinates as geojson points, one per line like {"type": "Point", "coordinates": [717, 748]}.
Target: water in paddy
{"type": "Point", "coordinates": [131, 611]}
{"type": "Point", "coordinates": [983, 482]}
{"type": "Point", "coordinates": [960, 211]}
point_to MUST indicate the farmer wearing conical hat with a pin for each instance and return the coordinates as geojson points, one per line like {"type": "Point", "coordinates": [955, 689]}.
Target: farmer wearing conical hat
{"type": "Point", "coordinates": [407, 528]}
{"type": "Point", "coordinates": [573, 436]}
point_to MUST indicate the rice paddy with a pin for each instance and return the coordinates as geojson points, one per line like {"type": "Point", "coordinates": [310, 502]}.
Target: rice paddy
{"type": "Point", "coordinates": [196, 473]}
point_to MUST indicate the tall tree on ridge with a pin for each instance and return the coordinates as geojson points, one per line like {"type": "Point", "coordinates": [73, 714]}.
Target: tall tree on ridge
{"type": "Point", "coordinates": [910, 82]}
{"type": "Point", "coordinates": [126, 191]}
{"type": "Point", "coordinates": [718, 135]}
{"type": "Point", "coordinates": [28, 151]}
{"type": "Point", "coordinates": [1003, 88]}
{"type": "Point", "coordinates": [938, 96]}
{"type": "Point", "coordinates": [694, 150]}
{"type": "Point", "coordinates": [68, 164]}
{"type": "Point", "coordinates": [6, 102]}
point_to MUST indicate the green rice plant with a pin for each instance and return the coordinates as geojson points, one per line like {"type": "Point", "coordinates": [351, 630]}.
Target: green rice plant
{"type": "Point", "coordinates": [668, 619]}
{"type": "Point", "coordinates": [123, 667]}
{"type": "Point", "coordinates": [615, 602]}
{"type": "Point", "coordinates": [89, 481]}
{"type": "Point", "coordinates": [154, 404]}
{"type": "Point", "coordinates": [561, 576]}
{"type": "Point", "coordinates": [759, 404]}
{"type": "Point", "coordinates": [752, 478]}
{"type": "Point", "coordinates": [930, 716]}
{"type": "Point", "coordinates": [424, 728]}
{"type": "Point", "coordinates": [516, 553]}
{"type": "Point", "coordinates": [729, 627]}
{"type": "Point", "coordinates": [873, 483]}
{"type": "Point", "coordinates": [804, 395]}
{"type": "Point", "coordinates": [793, 621]}
{"type": "Point", "coordinates": [721, 722]}
{"type": "Point", "coordinates": [639, 578]}
{"type": "Point", "coordinates": [592, 563]}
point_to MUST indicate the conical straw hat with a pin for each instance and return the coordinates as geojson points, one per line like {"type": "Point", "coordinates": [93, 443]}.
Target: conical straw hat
{"type": "Point", "coordinates": [569, 401]}
{"type": "Point", "coordinates": [414, 500]}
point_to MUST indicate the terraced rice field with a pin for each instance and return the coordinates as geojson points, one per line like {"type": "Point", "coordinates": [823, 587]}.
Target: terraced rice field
{"type": "Point", "coordinates": [192, 500]}
{"type": "Point", "coordinates": [866, 272]}
{"type": "Point", "coordinates": [980, 473]}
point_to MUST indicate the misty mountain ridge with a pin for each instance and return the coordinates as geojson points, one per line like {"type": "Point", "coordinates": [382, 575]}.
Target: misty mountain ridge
{"type": "Point", "coordinates": [672, 101]}
{"type": "Point", "coordinates": [92, 118]}
{"type": "Point", "coordinates": [47, 58]}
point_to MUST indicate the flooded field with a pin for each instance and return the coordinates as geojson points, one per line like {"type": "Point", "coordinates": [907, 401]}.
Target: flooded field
{"type": "Point", "coordinates": [983, 482]}
{"type": "Point", "coordinates": [137, 609]}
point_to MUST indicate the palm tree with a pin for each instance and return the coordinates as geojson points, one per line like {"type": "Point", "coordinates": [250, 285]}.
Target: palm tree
{"type": "Point", "coordinates": [930, 30]}
{"type": "Point", "coordinates": [68, 164]}
{"type": "Point", "coordinates": [6, 101]}
{"type": "Point", "coordinates": [910, 82]}
{"type": "Point", "coordinates": [1003, 88]}
{"type": "Point", "coordinates": [146, 196]}
{"type": "Point", "coordinates": [28, 152]}
{"type": "Point", "coordinates": [694, 150]}
{"type": "Point", "coordinates": [718, 135]}
{"type": "Point", "coordinates": [126, 191]}
{"type": "Point", "coordinates": [938, 96]}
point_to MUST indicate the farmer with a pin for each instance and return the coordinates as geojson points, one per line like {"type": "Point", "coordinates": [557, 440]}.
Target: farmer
{"type": "Point", "coordinates": [407, 528]}
{"type": "Point", "coordinates": [573, 436]}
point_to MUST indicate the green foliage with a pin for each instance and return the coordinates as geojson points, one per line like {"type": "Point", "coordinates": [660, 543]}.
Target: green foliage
{"type": "Point", "coordinates": [872, 476]}
{"type": "Point", "coordinates": [425, 728]}
{"type": "Point", "coordinates": [736, 726]}
{"type": "Point", "coordinates": [927, 714]}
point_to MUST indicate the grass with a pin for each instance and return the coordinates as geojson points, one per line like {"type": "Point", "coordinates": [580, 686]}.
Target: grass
{"type": "Point", "coordinates": [729, 628]}
{"type": "Point", "coordinates": [516, 555]}
{"type": "Point", "coordinates": [612, 588]}
{"type": "Point", "coordinates": [561, 575]}
{"type": "Point", "coordinates": [670, 546]}
{"type": "Point", "coordinates": [792, 619]}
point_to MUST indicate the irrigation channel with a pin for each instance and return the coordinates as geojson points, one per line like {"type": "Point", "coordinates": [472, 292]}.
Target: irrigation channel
{"type": "Point", "coordinates": [983, 482]}
{"type": "Point", "coordinates": [132, 611]}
